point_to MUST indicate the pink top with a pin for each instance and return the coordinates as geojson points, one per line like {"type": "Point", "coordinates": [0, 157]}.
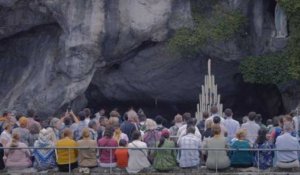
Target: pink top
{"type": "Point", "coordinates": [18, 158]}
{"type": "Point", "coordinates": [107, 156]}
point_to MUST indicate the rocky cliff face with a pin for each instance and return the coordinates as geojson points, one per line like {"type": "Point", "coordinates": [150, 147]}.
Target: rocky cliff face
{"type": "Point", "coordinates": [54, 51]}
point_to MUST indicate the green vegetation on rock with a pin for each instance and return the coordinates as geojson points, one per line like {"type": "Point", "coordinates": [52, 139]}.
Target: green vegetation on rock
{"type": "Point", "coordinates": [278, 67]}
{"type": "Point", "coordinates": [213, 25]}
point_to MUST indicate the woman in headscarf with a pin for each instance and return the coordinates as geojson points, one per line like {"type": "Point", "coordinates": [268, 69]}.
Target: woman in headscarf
{"type": "Point", "coordinates": [44, 158]}
{"type": "Point", "coordinates": [18, 157]}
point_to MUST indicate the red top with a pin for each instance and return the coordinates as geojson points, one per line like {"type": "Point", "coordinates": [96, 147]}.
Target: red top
{"type": "Point", "coordinates": [122, 158]}
{"type": "Point", "coordinates": [107, 156]}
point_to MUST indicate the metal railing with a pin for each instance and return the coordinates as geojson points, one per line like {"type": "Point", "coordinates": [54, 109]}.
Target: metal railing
{"type": "Point", "coordinates": [253, 150]}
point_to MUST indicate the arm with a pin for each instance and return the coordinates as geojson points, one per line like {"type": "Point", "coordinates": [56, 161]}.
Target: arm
{"type": "Point", "coordinates": [74, 117]}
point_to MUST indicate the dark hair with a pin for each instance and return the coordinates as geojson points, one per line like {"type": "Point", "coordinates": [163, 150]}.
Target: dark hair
{"type": "Point", "coordinates": [214, 109]}
{"type": "Point", "coordinates": [228, 112]}
{"type": "Point", "coordinates": [30, 113]}
{"type": "Point", "coordinates": [5, 113]}
{"type": "Point", "coordinates": [251, 116]}
{"type": "Point", "coordinates": [258, 118]}
{"type": "Point", "coordinates": [159, 119]}
{"type": "Point", "coordinates": [109, 131]}
{"type": "Point", "coordinates": [92, 123]}
{"type": "Point", "coordinates": [191, 129]}
{"type": "Point", "coordinates": [18, 116]}
{"type": "Point", "coordinates": [261, 138]}
{"type": "Point", "coordinates": [186, 116]}
{"type": "Point", "coordinates": [162, 140]}
{"type": "Point", "coordinates": [87, 112]}
{"type": "Point", "coordinates": [216, 119]}
{"type": "Point", "coordinates": [136, 135]}
{"type": "Point", "coordinates": [205, 115]}
{"type": "Point", "coordinates": [191, 122]}
{"type": "Point", "coordinates": [81, 115]}
{"type": "Point", "coordinates": [122, 142]}
{"type": "Point", "coordinates": [67, 121]}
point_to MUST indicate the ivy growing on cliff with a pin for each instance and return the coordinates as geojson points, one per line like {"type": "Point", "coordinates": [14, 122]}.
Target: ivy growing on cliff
{"type": "Point", "coordinates": [282, 67]}
{"type": "Point", "coordinates": [211, 24]}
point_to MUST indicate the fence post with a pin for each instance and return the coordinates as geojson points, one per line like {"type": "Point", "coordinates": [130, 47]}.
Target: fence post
{"type": "Point", "coordinates": [69, 161]}
{"type": "Point", "coordinates": [258, 160]}
{"type": "Point", "coordinates": [110, 157]}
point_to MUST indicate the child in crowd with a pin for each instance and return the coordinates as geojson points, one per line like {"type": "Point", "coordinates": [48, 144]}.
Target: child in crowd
{"type": "Point", "coordinates": [122, 154]}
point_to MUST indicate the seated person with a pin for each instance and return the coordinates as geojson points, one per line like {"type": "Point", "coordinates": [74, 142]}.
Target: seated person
{"type": "Point", "coordinates": [217, 159]}
{"type": "Point", "coordinates": [241, 159]}
{"type": "Point", "coordinates": [122, 154]}
{"type": "Point", "coordinates": [17, 158]}
{"type": "Point", "coordinates": [87, 158]}
{"type": "Point", "coordinates": [287, 159]}
{"type": "Point", "coordinates": [66, 156]}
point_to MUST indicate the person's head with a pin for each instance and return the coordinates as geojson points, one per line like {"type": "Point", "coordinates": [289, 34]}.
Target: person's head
{"type": "Point", "coordinates": [136, 135]}
{"type": "Point", "coordinates": [190, 130]}
{"type": "Point", "coordinates": [114, 114]}
{"type": "Point", "coordinates": [68, 133]}
{"type": "Point", "coordinates": [208, 124]}
{"type": "Point", "coordinates": [288, 127]}
{"type": "Point", "coordinates": [113, 121]}
{"type": "Point", "coordinates": [241, 134]}
{"type": "Point", "coordinates": [214, 110]}
{"type": "Point", "coordinates": [245, 119]}
{"type": "Point", "coordinates": [186, 116]}
{"type": "Point", "coordinates": [275, 121]}
{"type": "Point", "coordinates": [216, 129]}
{"type": "Point", "coordinates": [228, 112]}
{"type": "Point", "coordinates": [45, 135]}
{"type": "Point", "coordinates": [142, 117]}
{"type": "Point", "coordinates": [132, 116]}
{"type": "Point", "coordinates": [31, 113]}
{"type": "Point", "coordinates": [34, 128]}
{"type": "Point", "coordinates": [109, 132]}
{"type": "Point", "coordinates": [67, 121]}
{"type": "Point", "coordinates": [85, 133]}
{"type": "Point", "coordinates": [93, 125]}
{"type": "Point", "coordinates": [191, 122]}
{"type": "Point", "coordinates": [251, 116]}
{"type": "Point", "coordinates": [23, 122]}
{"type": "Point", "coordinates": [123, 143]}
{"type": "Point", "coordinates": [81, 115]}
{"type": "Point", "coordinates": [15, 139]}
{"type": "Point", "coordinates": [287, 118]}
{"type": "Point", "coordinates": [7, 126]}
{"type": "Point", "coordinates": [165, 133]}
{"type": "Point", "coordinates": [262, 136]}
{"type": "Point", "coordinates": [258, 118]}
{"type": "Point", "coordinates": [217, 119]}
{"type": "Point", "coordinates": [150, 124]}
{"type": "Point", "coordinates": [159, 120]}
{"type": "Point", "coordinates": [178, 118]}
{"type": "Point", "coordinates": [103, 121]}
{"type": "Point", "coordinates": [205, 115]}
{"type": "Point", "coordinates": [54, 123]}
{"type": "Point", "coordinates": [269, 122]}
{"type": "Point", "coordinates": [87, 112]}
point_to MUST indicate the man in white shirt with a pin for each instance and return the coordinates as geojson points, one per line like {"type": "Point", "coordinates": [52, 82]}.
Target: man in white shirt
{"type": "Point", "coordinates": [251, 127]}
{"type": "Point", "coordinates": [230, 124]}
{"type": "Point", "coordinates": [183, 129]}
{"type": "Point", "coordinates": [87, 119]}
{"type": "Point", "coordinates": [287, 159]}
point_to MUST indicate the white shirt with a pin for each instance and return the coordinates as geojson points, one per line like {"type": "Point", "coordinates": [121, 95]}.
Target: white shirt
{"type": "Point", "coordinates": [182, 132]}
{"type": "Point", "coordinates": [231, 126]}
{"type": "Point", "coordinates": [5, 137]}
{"type": "Point", "coordinates": [137, 157]}
{"type": "Point", "coordinates": [87, 121]}
{"type": "Point", "coordinates": [287, 141]}
{"type": "Point", "coordinates": [252, 131]}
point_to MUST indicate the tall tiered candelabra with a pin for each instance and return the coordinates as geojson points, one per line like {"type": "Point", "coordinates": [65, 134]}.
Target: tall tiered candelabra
{"type": "Point", "coordinates": [209, 95]}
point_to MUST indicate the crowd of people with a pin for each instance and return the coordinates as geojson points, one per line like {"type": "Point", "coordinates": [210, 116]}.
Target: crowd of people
{"type": "Point", "coordinates": [89, 140]}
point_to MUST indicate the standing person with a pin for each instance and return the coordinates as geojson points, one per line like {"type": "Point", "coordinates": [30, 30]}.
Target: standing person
{"type": "Point", "coordinates": [5, 137]}
{"type": "Point", "coordinates": [201, 124]}
{"type": "Point", "coordinates": [263, 159]}
{"type": "Point", "coordinates": [87, 158]}
{"type": "Point", "coordinates": [118, 134]}
{"type": "Point", "coordinates": [189, 158]}
{"type": "Point", "coordinates": [93, 130]}
{"type": "Point", "coordinates": [129, 126]}
{"type": "Point", "coordinates": [99, 114]}
{"type": "Point", "coordinates": [178, 123]}
{"type": "Point", "coordinates": [66, 157]}
{"type": "Point", "coordinates": [19, 157]}
{"type": "Point", "coordinates": [82, 124]}
{"type": "Point", "coordinates": [114, 117]}
{"type": "Point", "coordinates": [241, 159]}
{"type": "Point", "coordinates": [231, 125]}
{"type": "Point", "coordinates": [165, 160]}
{"type": "Point", "coordinates": [287, 159]}
{"type": "Point", "coordinates": [30, 116]}
{"type": "Point", "coordinates": [22, 130]}
{"type": "Point", "coordinates": [87, 113]}
{"type": "Point", "coordinates": [217, 159]}
{"type": "Point", "coordinates": [251, 128]}
{"type": "Point", "coordinates": [44, 156]}
{"type": "Point", "coordinates": [103, 122]}
{"type": "Point", "coordinates": [258, 120]}
{"type": "Point", "coordinates": [138, 159]}
{"type": "Point", "coordinates": [159, 121]}
{"type": "Point", "coordinates": [33, 134]}
{"type": "Point", "coordinates": [54, 125]}
{"type": "Point", "coordinates": [186, 117]}
{"type": "Point", "coordinates": [107, 156]}
{"type": "Point", "coordinates": [122, 154]}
